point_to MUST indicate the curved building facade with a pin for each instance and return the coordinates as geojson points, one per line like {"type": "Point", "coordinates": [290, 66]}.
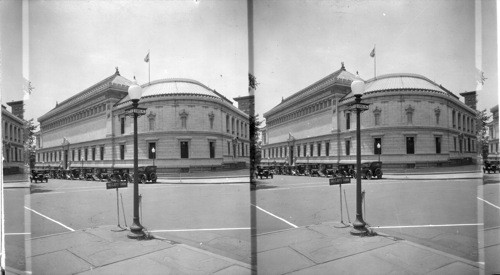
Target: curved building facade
{"type": "Point", "coordinates": [187, 126]}
{"type": "Point", "coordinates": [416, 122]}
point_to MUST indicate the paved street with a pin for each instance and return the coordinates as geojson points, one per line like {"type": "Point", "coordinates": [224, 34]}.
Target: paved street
{"type": "Point", "coordinates": [441, 214]}
{"type": "Point", "coordinates": [210, 217]}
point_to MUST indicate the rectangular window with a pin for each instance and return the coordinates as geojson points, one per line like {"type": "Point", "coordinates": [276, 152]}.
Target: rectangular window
{"type": "Point", "coordinates": [93, 153]}
{"type": "Point", "coordinates": [102, 152]}
{"type": "Point", "coordinates": [152, 150]}
{"type": "Point", "coordinates": [228, 147]}
{"type": "Point", "coordinates": [468, 145]}
{"type": "Point", "coordinates": [211, 145]}
{"type": "Point", "coordinates": [122, 125]}
{"type": "Point", "coordinates": [347, 147]}
{"type": "Point", "coordinates": [319, 149]}
{"type": "Point", "coordinates": [73, 155]}
{"type": "Point", "coordinates": [227, 125]}
{"type": "Point", "coordinates": [348, 121]}
{"type": "Point", "coordinates": [184, 149]}
{"type": "Point", "coordinates": [438, 145]}
{"type": "Point", "coordinates": [298, 150]}
{"type": "Point", "coordinates": [311, 149]}
{"type": "Point", "coordinates": [327, 148]}
{"type": "Point", "coordinates": [454, 143]}
{"type": "Point", "coordinates": [377, 146]}
{"type": "Point", "coordinates": [122, 151]}
{"type": "Point", "coordinates": [80, 155]}
{"type": "Point", "coordinates": [410, 145]}
{"type": "Point", "coordinates": [305, 149]}
{"type": "Point", "coordinates": [86, 154]}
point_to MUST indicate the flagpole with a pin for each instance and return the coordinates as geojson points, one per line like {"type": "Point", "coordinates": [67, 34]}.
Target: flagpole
{"type": "Point", "coordinates": [375, 62]}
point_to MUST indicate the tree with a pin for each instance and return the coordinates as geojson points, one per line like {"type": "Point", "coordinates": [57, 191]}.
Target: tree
{"type": "Point", "coordinates": [29, 142]}
{"type": "Point", "coordinates": [482, 132]}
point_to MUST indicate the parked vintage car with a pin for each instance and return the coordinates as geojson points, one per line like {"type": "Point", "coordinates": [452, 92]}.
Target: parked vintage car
{"type": "Point", "coordinates": [490, 167]}
{"type": "Point", "coordinates": [346, 169]}
{"type": "Point", "coordinates": [146, 174]}
{"type": "Point", "coordinates": [369, 169]}
{"type": "Point", "coordinates": [264, 172]}
{"type": "Point", "coordinates": [39, 175]}
{"type": "Point", "coordinates": [120, 174]}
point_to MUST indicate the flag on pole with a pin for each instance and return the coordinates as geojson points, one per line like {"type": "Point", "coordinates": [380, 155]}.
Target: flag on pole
{"type": "Point", "coordinates": [372, 54]}
{"type": "Point", "coordinates": [146, 59]}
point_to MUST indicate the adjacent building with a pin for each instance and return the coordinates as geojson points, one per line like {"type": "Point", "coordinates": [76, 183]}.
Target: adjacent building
{"type": "Point", "coordinates": [411, 122]}
{"type": "Point", "coordinates": [187, 127]}
{"type": "Point", "coordinates": [13, 126]}
{"type": "Point", "coordinates": [493, 135]}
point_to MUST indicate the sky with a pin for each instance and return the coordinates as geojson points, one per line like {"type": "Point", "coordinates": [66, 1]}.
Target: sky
{"type": "Point", "coordinates": [300, 42]}
{"type": "Point", "coordinates": [67, 46]}
{"type": "Point", "coordinates": [72, 45]}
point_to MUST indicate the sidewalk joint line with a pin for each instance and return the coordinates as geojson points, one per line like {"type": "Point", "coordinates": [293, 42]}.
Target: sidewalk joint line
{"type": "Point", "coordinates": [425, 225]}
{"type": "Point", "coordinates": [200, 229]}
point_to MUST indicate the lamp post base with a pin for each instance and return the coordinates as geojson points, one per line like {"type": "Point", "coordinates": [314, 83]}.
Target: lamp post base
{"type": "Point", "coordinates": [359, 228]}
{"type": "Point", "coordinates": [136, 232]}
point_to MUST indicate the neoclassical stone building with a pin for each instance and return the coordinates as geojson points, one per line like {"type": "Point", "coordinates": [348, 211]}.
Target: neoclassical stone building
{"type": "Point", "coordinates": [13, 138]}
{"type": "Point", "coordinates": [187, 127]}
{"type": "Point", "coordinates": [416, 122]}
{"type": "Point", "coordinates": [493, 154]}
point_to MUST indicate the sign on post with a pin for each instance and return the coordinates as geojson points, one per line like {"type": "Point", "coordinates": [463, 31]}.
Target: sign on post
{"type": "Point", "coordinates": [138, 111]}
{"type": "Point", "coordinates": [337, 181]}
{"type": "Point", "coordinates": [116, 184]}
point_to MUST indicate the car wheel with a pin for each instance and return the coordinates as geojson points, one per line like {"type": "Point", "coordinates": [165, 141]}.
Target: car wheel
{"type": "Point", "coordinates": [153, 178]}
{"type": "Point", "coordinates": [143, 180]}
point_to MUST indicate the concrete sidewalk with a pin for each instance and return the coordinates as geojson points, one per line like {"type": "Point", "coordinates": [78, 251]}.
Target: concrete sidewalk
{"type": "Point", "coordinates": [434, 176]}
{"type": "Point", "coordinates": [103, 250]}
{"type": "Point", "coordinates": [326, 249]}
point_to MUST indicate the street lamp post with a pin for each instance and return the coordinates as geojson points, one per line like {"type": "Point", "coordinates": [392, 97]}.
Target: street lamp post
{"type": "Point", "coordinates": [379, 152]}
{"type": "Point", "coordinates": [135, 92]}
{"type": "Point", "coordinates": [357, 88]}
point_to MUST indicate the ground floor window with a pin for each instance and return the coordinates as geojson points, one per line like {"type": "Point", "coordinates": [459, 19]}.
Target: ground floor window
{"type": "Point", "coordinates": [102, 152]}
{"type": "Point", "coordinates": [298, 150]}
{"type": "Point", "coordinates": [438, 145]}
{"type": "Point", "coordinates": [311, 149]}
{"type": "Point", "coordinates": [93, 153]}
{"type": "Point", "coordinates": [122, 151]}
{"type": "Point", "coordinates": [229, 148]}
{"type": "Point", "coordinates": [86, 154]}
{"type": "Point", "coordinates": [327, 149]}
{"type": "Point", "coordinates": [347, 147]}
{"type": "Point", "coordinates": [184, 149]}
{"type": "Point", "coordinates": [410, 145]}
{"type": "Point", "coordinates": [377, 146]}
{"type": "Point", "coordinates": [73, 155]}
{"type": "Point", "coordinates": [211, 146]}
{"type": "Point", "coordinates": [319, 149]}
{"type": "Point", "coordinates": [152, 150]}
